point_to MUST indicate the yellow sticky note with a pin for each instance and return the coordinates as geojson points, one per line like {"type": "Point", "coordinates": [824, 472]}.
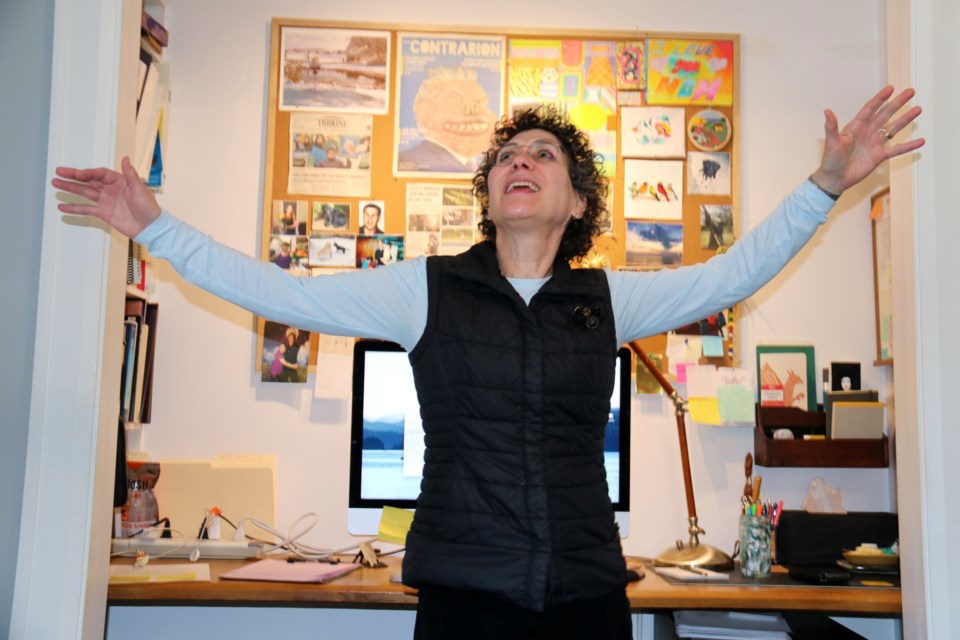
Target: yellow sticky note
{"type": "Point", "coordinates": [705, 410]}
{"type": "Point", "coordinates": [394, 525]}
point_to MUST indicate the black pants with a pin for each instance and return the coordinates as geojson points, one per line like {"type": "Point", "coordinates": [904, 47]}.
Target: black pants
{"type": "Point", "coordinates": [447, 614]}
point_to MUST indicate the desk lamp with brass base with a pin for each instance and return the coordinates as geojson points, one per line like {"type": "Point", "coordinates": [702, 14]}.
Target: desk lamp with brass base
{"type": "Point", "coordinates": [693, 553]}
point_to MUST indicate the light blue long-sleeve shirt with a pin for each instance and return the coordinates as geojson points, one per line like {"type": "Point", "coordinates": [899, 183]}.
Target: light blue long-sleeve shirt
{"type": "Point", "coordinates": [390, 302]}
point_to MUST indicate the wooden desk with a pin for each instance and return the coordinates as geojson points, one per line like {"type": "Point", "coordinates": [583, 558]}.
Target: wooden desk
{"type": "Point", "coordinates": [372, 588]}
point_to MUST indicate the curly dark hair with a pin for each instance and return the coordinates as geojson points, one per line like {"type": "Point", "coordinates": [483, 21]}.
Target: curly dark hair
{"type": "Point", "coordinates": [582, 166]}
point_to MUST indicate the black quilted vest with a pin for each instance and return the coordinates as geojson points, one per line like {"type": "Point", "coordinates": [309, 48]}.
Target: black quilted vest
{"type": "Point", "coordinates": [514, 401]}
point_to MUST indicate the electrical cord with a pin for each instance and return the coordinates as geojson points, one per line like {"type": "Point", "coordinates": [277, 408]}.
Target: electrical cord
{"type": "Point", "coordinates": [290, 542]}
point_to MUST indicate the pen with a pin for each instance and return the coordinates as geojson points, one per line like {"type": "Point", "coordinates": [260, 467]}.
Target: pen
{"type": "Point", "coordinates": [696, 570]}
{"type": "Point", "coordinates": [776, 516]}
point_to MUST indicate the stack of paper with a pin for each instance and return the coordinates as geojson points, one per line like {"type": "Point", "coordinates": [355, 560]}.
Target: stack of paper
{"type": "Point", "coordinates": [731, 624]}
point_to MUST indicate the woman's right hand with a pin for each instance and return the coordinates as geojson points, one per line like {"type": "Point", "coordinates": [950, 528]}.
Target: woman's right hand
{"type": "Point", "coordinates": [119, 199]}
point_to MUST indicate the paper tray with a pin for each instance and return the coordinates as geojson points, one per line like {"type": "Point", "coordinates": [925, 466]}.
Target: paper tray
{"type": "Point", "coordinates": [768, 452]}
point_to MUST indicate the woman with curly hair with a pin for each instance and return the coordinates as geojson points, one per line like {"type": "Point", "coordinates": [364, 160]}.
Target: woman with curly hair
{"type": "Point", "coordinates": [513, 358]}
{"type": "Point", "coordinates": [581, 164]}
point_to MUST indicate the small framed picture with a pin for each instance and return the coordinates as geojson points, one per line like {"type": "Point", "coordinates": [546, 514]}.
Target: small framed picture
{"type": "Point", "coordinates": [786, 378]}
{"type": "Point", "coordinates": [845, 376]}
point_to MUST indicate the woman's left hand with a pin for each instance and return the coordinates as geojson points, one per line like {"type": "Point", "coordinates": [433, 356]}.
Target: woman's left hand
{"type": "Point", "coordinates": [852, 153]}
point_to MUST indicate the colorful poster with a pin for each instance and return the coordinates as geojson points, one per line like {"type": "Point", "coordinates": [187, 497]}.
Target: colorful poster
{"type": "Point", "coordinates": [330, 154]}
{"type": "Point", "coordinates": [690, 72]}
{"type": "Point", "coordinates": [576, 75]}
{"type": "Point", "coordinates": [449, 97]}
{"type": "Point", "coordinates": [339, 70]}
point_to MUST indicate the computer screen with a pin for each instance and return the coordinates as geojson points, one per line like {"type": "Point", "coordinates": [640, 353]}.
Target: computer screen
{"type": "Point", "coordinates": [386, 443]}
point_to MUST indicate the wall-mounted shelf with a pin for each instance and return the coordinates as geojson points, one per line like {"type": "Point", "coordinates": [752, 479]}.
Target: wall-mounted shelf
{"type": "Point", "coordinates": [769, 452]}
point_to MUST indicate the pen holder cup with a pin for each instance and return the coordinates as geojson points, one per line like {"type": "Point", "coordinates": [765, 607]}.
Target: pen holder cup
{"type": "Point", "coordinates": [756, 548]}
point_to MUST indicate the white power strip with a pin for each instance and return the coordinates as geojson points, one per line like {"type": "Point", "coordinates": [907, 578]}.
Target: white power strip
{"type": "Point", "coordinates": [181, 548]}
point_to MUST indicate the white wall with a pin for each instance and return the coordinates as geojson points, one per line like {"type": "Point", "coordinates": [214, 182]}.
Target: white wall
{"type": "Point", "coordinates": [25, 32]}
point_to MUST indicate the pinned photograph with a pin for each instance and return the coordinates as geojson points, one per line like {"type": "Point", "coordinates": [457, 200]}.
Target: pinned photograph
{"type": "Point", "coordinates": [377, 251]}
{"type": "Point", "coordinates": [332, 249]}
{"type": "Point", "coordinates": [328, 216]}
{"type": "Point", "coordinates": [289, 253]}
{"type": "Point", "coordinates": [370, 217]}
{"type": "Point", "coordinates": [716, 226]}
{"type": "Point", "coordinates": [285, 353]}
{"type": "Point", "coordinates": [289, 217]}
{"type": "Point", "coordinates": [654, 245]}
{"type": "Point", "coordinates": [341, 70]}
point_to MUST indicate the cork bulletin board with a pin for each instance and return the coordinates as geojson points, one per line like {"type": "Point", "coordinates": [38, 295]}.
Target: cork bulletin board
{"type": "Point", "coordinates": [374, 130]}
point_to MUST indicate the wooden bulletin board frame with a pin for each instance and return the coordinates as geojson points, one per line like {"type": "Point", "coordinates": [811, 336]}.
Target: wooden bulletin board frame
{"type": "Point", "coordinates": [386, 185]}
{"type": "Point", "coordinates": [882, 275]}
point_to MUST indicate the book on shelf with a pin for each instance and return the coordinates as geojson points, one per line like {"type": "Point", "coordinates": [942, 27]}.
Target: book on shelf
{"type": "Point", "coordinates": [139, 377]}
{"type": "Point", "coordinates": [152, 29]}
{"type": "Point", "coordinates": [154, 101]}
{"type": "Point", "coordinates": [137, 266]}
{"type": "Point", "coordinates": [152, 316]}
{"type": "Point", "coordinates": [140, 322]}
{"type": "Point", "coordinates": [127, 372]}
{"type": "Point", "coordinates": [156, 176]}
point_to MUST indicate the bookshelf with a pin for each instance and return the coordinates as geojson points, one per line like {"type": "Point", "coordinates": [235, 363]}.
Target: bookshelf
{"type": "Point", "coordinates": [140, 320]}
{"type": "Point", "coordinates": [141, 313]}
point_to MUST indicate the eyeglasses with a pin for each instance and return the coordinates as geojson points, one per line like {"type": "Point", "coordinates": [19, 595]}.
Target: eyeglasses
{"type": "Point", "coordinates": [540, 151]}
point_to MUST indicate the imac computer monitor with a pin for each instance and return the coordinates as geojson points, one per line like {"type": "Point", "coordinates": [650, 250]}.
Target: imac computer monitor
{"type": "Point", "coordinates": [386, 439]}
